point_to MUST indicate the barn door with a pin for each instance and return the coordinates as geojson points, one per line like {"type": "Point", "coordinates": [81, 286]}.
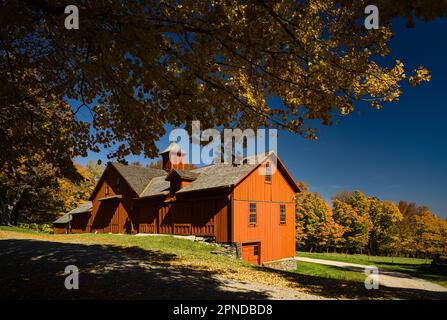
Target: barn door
{"type": "Point", "coordinates": [251, 252]}
{"type": "Point", "coordinates": [165, 220]}
{"type": "Point", "coordinates": [115, 221]}
{"type": "Point", "coordinates": [181, 213]}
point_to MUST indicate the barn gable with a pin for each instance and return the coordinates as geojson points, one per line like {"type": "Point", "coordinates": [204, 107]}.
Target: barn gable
{"type": "Point", "coordinates": [137, 178]}
{"type": "Point", "coordinates": [273, 157]}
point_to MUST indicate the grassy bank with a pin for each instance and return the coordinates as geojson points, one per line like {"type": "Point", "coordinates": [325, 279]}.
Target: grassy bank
{"type": "Point", "coordinates": [419, 268]}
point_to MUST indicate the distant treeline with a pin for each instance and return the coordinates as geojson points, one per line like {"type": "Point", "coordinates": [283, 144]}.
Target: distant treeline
{"type": "Point", "coordinates": [360, 224]}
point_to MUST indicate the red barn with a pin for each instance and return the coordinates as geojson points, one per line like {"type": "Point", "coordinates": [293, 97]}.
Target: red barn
{"type": "Point", "coordinates": [231, 203]}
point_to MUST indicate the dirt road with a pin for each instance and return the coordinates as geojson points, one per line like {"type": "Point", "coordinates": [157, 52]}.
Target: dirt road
{"type": "Point", "coordinates": [387, 278]}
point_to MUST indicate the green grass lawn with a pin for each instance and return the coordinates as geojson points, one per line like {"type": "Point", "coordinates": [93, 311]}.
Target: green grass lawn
{"type": "Point", "coordinates": [362, 258]}
{"type": "Point", "coordinates": [18, 229]}
{"type": "Point", "coordinates": [419, 268]}
{"type": "Point", "coordinates": [330, 272]}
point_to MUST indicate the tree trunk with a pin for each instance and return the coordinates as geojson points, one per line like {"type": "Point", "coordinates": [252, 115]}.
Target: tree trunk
{"type": "Point", "coordinates": [7, 205]}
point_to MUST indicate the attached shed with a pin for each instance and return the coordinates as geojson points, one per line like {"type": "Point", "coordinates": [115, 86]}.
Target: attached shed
{"type": "Point", "coordinates": [74, 221]}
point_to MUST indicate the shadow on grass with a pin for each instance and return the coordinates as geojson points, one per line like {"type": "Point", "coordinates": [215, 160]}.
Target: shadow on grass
{"type": "Point", "coordinates": [351, 289]}
{"type": "Point", "coordinates": [35, 270]}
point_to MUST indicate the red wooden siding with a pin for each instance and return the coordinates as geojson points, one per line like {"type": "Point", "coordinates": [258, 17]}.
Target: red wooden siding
{"type": "Point", "coordinates": [195, 216]}
{"type": "Point", "coordinates": [79, 223]}
{"type": "Point", "coordinates": [277, 240]}
{"type": "Point", "coordinates": [60, 229]}
{"type": "Point", "coordinates": [113, 215]}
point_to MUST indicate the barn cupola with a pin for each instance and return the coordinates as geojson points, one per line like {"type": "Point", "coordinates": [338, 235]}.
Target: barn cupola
{"type": "Point", "coordinates": [173, 157]}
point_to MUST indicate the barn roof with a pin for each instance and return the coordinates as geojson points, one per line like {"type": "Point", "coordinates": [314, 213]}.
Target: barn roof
{"type": "Point", "coordinates": [217, 175]}
{"type": "Point", "coordinates": [150, 182]}
{"type": "Point", "coordinates": [157, 186]}
{"type": "Point", "coordinates": [86, 207]}
{"type": "Point", "coordinates": [137, 177]}
{"type": "Point", "coordinates": [184, 174]}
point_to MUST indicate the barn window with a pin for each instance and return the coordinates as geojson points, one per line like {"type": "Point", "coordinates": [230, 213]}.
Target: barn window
{"type": "Point", "coordinates": [256, 250]}
{"type": "Point", "coordinates": [252, 213]}
{"type": "Point", "coordinates": [107, 188]}
{"type": "Point", "coordinates": [118, 184]}
{"type": "Point", "coordinates": [282, 214]}
{"type": "Point", "coordinates": [268, 173]}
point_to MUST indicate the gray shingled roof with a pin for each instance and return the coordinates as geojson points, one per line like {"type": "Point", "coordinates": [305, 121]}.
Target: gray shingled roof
{"type": "Point", "coordinates": [187, 174]}
{"type": "Point", "coordinates": [157, 186]}
{"type": "Point", "coordinates": [64, 219]}
{"type": "Point", "coordinates": [138, 177]}
{"type": "Point", "coordinates": [86, 207]}
{"type": "Point", "coordinates": [217, 175]}
{"type": "Point", "coordinates": [148, 182]}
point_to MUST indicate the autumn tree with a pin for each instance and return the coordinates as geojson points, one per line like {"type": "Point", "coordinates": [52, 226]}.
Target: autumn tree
{"type": "Point", "coordinates": [429, 234]}
{"type": "Point", "coordinates": [42, 200]}
{"type": "Point", "coordinates": [351, 210]}
{"type": "Point", "coordinates": [421, 233]}
{"type": "Point", "coordinates": [23, 184]}
{"type": "Point", "coordinates": [135, 66]}
{"type": "Point", "coordinates": [384, 235]}
{"type": "Point", "coordinates": [315, 227]}
{"type": "Point", "coordinates": [41, 195]}
{"type": "Point", "coordinates": [74, 194]}
{"type": "Point", "coordinates": [407, 227]}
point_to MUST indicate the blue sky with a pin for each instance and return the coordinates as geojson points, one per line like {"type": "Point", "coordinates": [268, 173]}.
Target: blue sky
{"type": "Point", "coordinates": [395, 153]}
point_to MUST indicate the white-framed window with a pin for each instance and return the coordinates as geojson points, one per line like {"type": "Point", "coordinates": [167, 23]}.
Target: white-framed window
{"type": "Point", "coordinates": [282, 214]}
{"type": "Point", "coordinates": [268, 173]}
{"type": "Point", "coordinates": [252, 215]}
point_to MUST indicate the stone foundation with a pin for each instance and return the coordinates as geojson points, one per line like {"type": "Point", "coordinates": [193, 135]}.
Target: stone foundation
{"type": "Point", "coordinates": [283, 264]}
{"type": "Point", "coordinates": [229, 250]}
